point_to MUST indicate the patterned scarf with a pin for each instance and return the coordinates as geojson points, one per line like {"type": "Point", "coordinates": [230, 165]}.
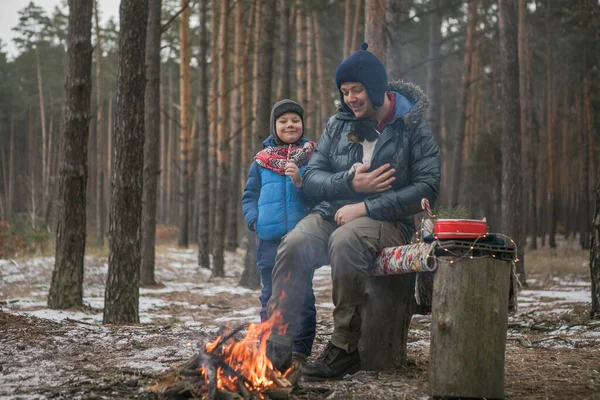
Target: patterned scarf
{"type": "Point", "coordinates": [275, 157]}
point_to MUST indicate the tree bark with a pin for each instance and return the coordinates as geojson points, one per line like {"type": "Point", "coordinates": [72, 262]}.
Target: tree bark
{"type": "Point", "coordinates": [124, 258]}
{"type": "Point", "coordinates": [185, 146]}
{"type": "Point", "coordinates": [99, 133]}
{"type": "Point", "coordinates": [595, 257]}
{"type": "Point", "coordinates": [285, 37]}
{"type": "Point", "coordinates": [356, 26]}
{"type": "Point", "coordinates": [213, 117]}
{"type": "Point", "coordinates": [151, 143]}
{"type": "Point", "coordinates": [469, 320]}
{"type": "Point", "coordinates": [11, 170]}
{"type": "Point", "coordinates": [323, 99]}
{"type": "Point", "coordinates": [550, 132]}
{"type": "Point", "coordinates": [348, 28]}
{"type": "Point", "coordinates": [264, 46]}
{"type": "Point", "coordinates": [309, 108]}
{"type": "Point", "coordinates": [223, 187]}
{"type": "Point", "coordinates": [586, 133]}
{"type": "Point", "coordinates": [386, 318]}
{"type": "Point", "coordinates": [66, 288]}
{"type": "Point", "coordinates": [394, 33]}
{"type": "Point", "coordinates": [203, 164]}
{"type": "Point", "coordinates": [44, 128]}
{"type": "Point", "coordinates": [511, 126]}
{"type": "Point", "coordinates": [247, 98]}
{"type": "Point", "coordinates": [434, 70]}
{"type": "Point", "coordinates": [300, 55]}
{"type": "Point", "coordinates": [374, 20]}
{"type": "Point", "coordinates": [461, 118]}
{"type": "Point", "coordinates": [235, 160]}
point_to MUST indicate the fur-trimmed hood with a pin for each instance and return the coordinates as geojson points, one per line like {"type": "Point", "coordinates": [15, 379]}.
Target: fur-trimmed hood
{"type": "Point", "coordinates": [414, 95]}
{"type": "Point", "coordinates": [411, 92]}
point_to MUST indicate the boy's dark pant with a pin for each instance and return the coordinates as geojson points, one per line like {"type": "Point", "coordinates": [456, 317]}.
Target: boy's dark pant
{"type": "Point", "coordinates": [307, 323]}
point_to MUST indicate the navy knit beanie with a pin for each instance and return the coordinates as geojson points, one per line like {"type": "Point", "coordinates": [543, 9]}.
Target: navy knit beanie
{"type": "Point", "coordinates": [280, 108]}
{"type": "Point", "coordinates": [364, 67]}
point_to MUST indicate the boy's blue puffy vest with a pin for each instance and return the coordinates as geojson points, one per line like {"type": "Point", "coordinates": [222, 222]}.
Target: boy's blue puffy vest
{"type": "Point", "coordinates": [281, 205]}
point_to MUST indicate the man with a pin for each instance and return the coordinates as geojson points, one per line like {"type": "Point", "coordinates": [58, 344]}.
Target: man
{"type": "Point", "coordinates": [359, 211]}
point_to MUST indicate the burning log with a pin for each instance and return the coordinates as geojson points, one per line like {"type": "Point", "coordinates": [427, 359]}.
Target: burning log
{"type": "Point", "coordinates": [229, 369]}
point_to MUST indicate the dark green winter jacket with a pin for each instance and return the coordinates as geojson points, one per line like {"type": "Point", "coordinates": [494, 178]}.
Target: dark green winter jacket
{"type": "Point", "coordinates": [406, 143]}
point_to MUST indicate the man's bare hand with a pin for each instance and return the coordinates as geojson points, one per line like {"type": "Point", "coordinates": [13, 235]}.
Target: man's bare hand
{"type": "Point", "coordinates": [350, 212]}
{"type": "Point", "coordinates": [376, 181]}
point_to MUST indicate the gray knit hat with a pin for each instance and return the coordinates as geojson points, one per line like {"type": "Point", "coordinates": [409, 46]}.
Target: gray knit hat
{"type": "Point", "coordinates": [280, 108]}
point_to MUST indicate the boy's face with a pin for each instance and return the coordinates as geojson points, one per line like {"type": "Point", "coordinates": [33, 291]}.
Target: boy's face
{"type": "Point", "coordinates": [356, 97]}
{"type": "Point", "coordinates": [289, 127]}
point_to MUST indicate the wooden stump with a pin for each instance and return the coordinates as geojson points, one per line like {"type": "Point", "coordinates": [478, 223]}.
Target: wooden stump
{"type": "Point", "coordinates": [385, 320]}
{"type": "Point", "coordinates": [468, 329]}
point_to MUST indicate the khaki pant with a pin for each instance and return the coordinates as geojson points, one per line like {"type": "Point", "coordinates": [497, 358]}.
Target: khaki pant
{"type": "Point", "coordinates": [349, 249]}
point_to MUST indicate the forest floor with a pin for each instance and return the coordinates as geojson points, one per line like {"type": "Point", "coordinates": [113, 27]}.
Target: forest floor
{"type": "Point", "coordinates": [552, 351]}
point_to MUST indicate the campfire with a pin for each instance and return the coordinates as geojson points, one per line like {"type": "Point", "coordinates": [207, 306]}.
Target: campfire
{"type": "Point", "coordinates": [230, 369]}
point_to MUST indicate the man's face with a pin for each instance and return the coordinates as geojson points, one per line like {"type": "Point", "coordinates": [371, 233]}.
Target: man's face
{"type": "Point", "coordinates": [356, 97]}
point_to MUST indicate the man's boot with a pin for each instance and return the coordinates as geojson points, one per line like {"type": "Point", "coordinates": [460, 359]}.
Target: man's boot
{"type": "Point", "coordinates": [333, 363]}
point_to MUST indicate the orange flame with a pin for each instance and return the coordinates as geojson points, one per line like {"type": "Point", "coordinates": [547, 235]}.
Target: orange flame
{"type": "Point", "coordinates": [248, 357]}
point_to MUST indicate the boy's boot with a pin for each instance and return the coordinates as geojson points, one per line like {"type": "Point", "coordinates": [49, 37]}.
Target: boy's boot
{"type": "Point", "coordinates": [333, 363]}
{"type": "Point", "coordinates": [280, 355]}
{"type": "Point", "coordinates": [294, 374]}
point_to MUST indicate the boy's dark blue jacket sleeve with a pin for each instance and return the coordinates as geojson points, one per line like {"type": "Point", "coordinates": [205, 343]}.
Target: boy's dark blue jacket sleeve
{"type": "Point", "coordinates": [250, 196]}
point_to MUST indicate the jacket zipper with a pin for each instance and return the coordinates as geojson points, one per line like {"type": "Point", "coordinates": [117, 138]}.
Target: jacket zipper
{"type": "Point", "coordinates": [285, 229]}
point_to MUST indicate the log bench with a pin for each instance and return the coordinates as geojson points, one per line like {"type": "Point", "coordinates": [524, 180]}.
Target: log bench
{"type": "Point", "coordinates": [468, 325]}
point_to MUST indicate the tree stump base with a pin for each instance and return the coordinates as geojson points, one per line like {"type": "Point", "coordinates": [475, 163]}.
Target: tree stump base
{"type": "Point", "coordinates": [468, 329]}
{"type": "Point", "coordinates": [386, 317]}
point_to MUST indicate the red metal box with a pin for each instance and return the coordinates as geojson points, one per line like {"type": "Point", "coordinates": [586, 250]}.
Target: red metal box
{"type": "Point", "coordinates": [459, 228]}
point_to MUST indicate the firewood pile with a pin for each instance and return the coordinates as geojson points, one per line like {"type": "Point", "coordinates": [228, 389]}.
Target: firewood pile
{"type": "Point", "coordinates": [228, 369]}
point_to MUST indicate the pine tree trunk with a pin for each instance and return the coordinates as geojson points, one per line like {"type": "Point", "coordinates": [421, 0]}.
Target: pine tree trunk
{"type": "Point", "coordinates": [323, 99]}
{"type": "Point", "coordinates": [585, 187]}
{"type": "Point", "coordinates": [356, 26]}
{"type": "Point", "coordinates": [235, 104]}
{"type": "Point", "coordinates": [550, 131]}
{"type": "Point", "coordinates": [151, 143]}
{"type": "Point", "coordinates": [374, 27]}
{"type": "Point", "coordinates": [461, 118]}
{"type": "Point", "coordinates": [43, 123]}
{"type": "Point", "coordinates": [395, 32]}
{"type": "Point", "coordinates": [223, 187]}
{"type": "Point", "coordinates": [203, 164]}
{"type": "Point", "coordinates": [309, 110]}
{"type": "Point", "coordinates": [526, 132]}
{"type": "Point", "coordinates": [595, 257]}
{"type": "Point", "coordinates": [511, 125]}
{"type": "Point", "coordinates": [255, 144]}
{"type": "Point", "coordinates": [124, 258]}
{"type": "Point", "coordinates": [285, 50]}
{"type": "Point", "coordinates": [247, 98]}
{"type": "Point", "coordinates": [300, 55]}
{"type": "Point", "coordinates": [163, 157]}
{"type": "Point", "coordinates": [11, 171]}
{"type": "Point", "coordinates": [185, 147]}
{"type": "Point", "coordinates": [264, 57]}
{"type": "Point", "coordinates": [348, 28]}
{"type": "Point", "coordinates": [66, 288]}
{"type": "Point", "coordinates": [434, 70]}
{"type": "Point", "coordinates": [99, 133]}
{"type": "Point", "coordinates": [170, 148]}
{"type": "Point", "coordinates": [212, 118]}
{"type": "Point", "coordinates": [109, 158]}
{"type": "Point", "coordinates": [251, 277]}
